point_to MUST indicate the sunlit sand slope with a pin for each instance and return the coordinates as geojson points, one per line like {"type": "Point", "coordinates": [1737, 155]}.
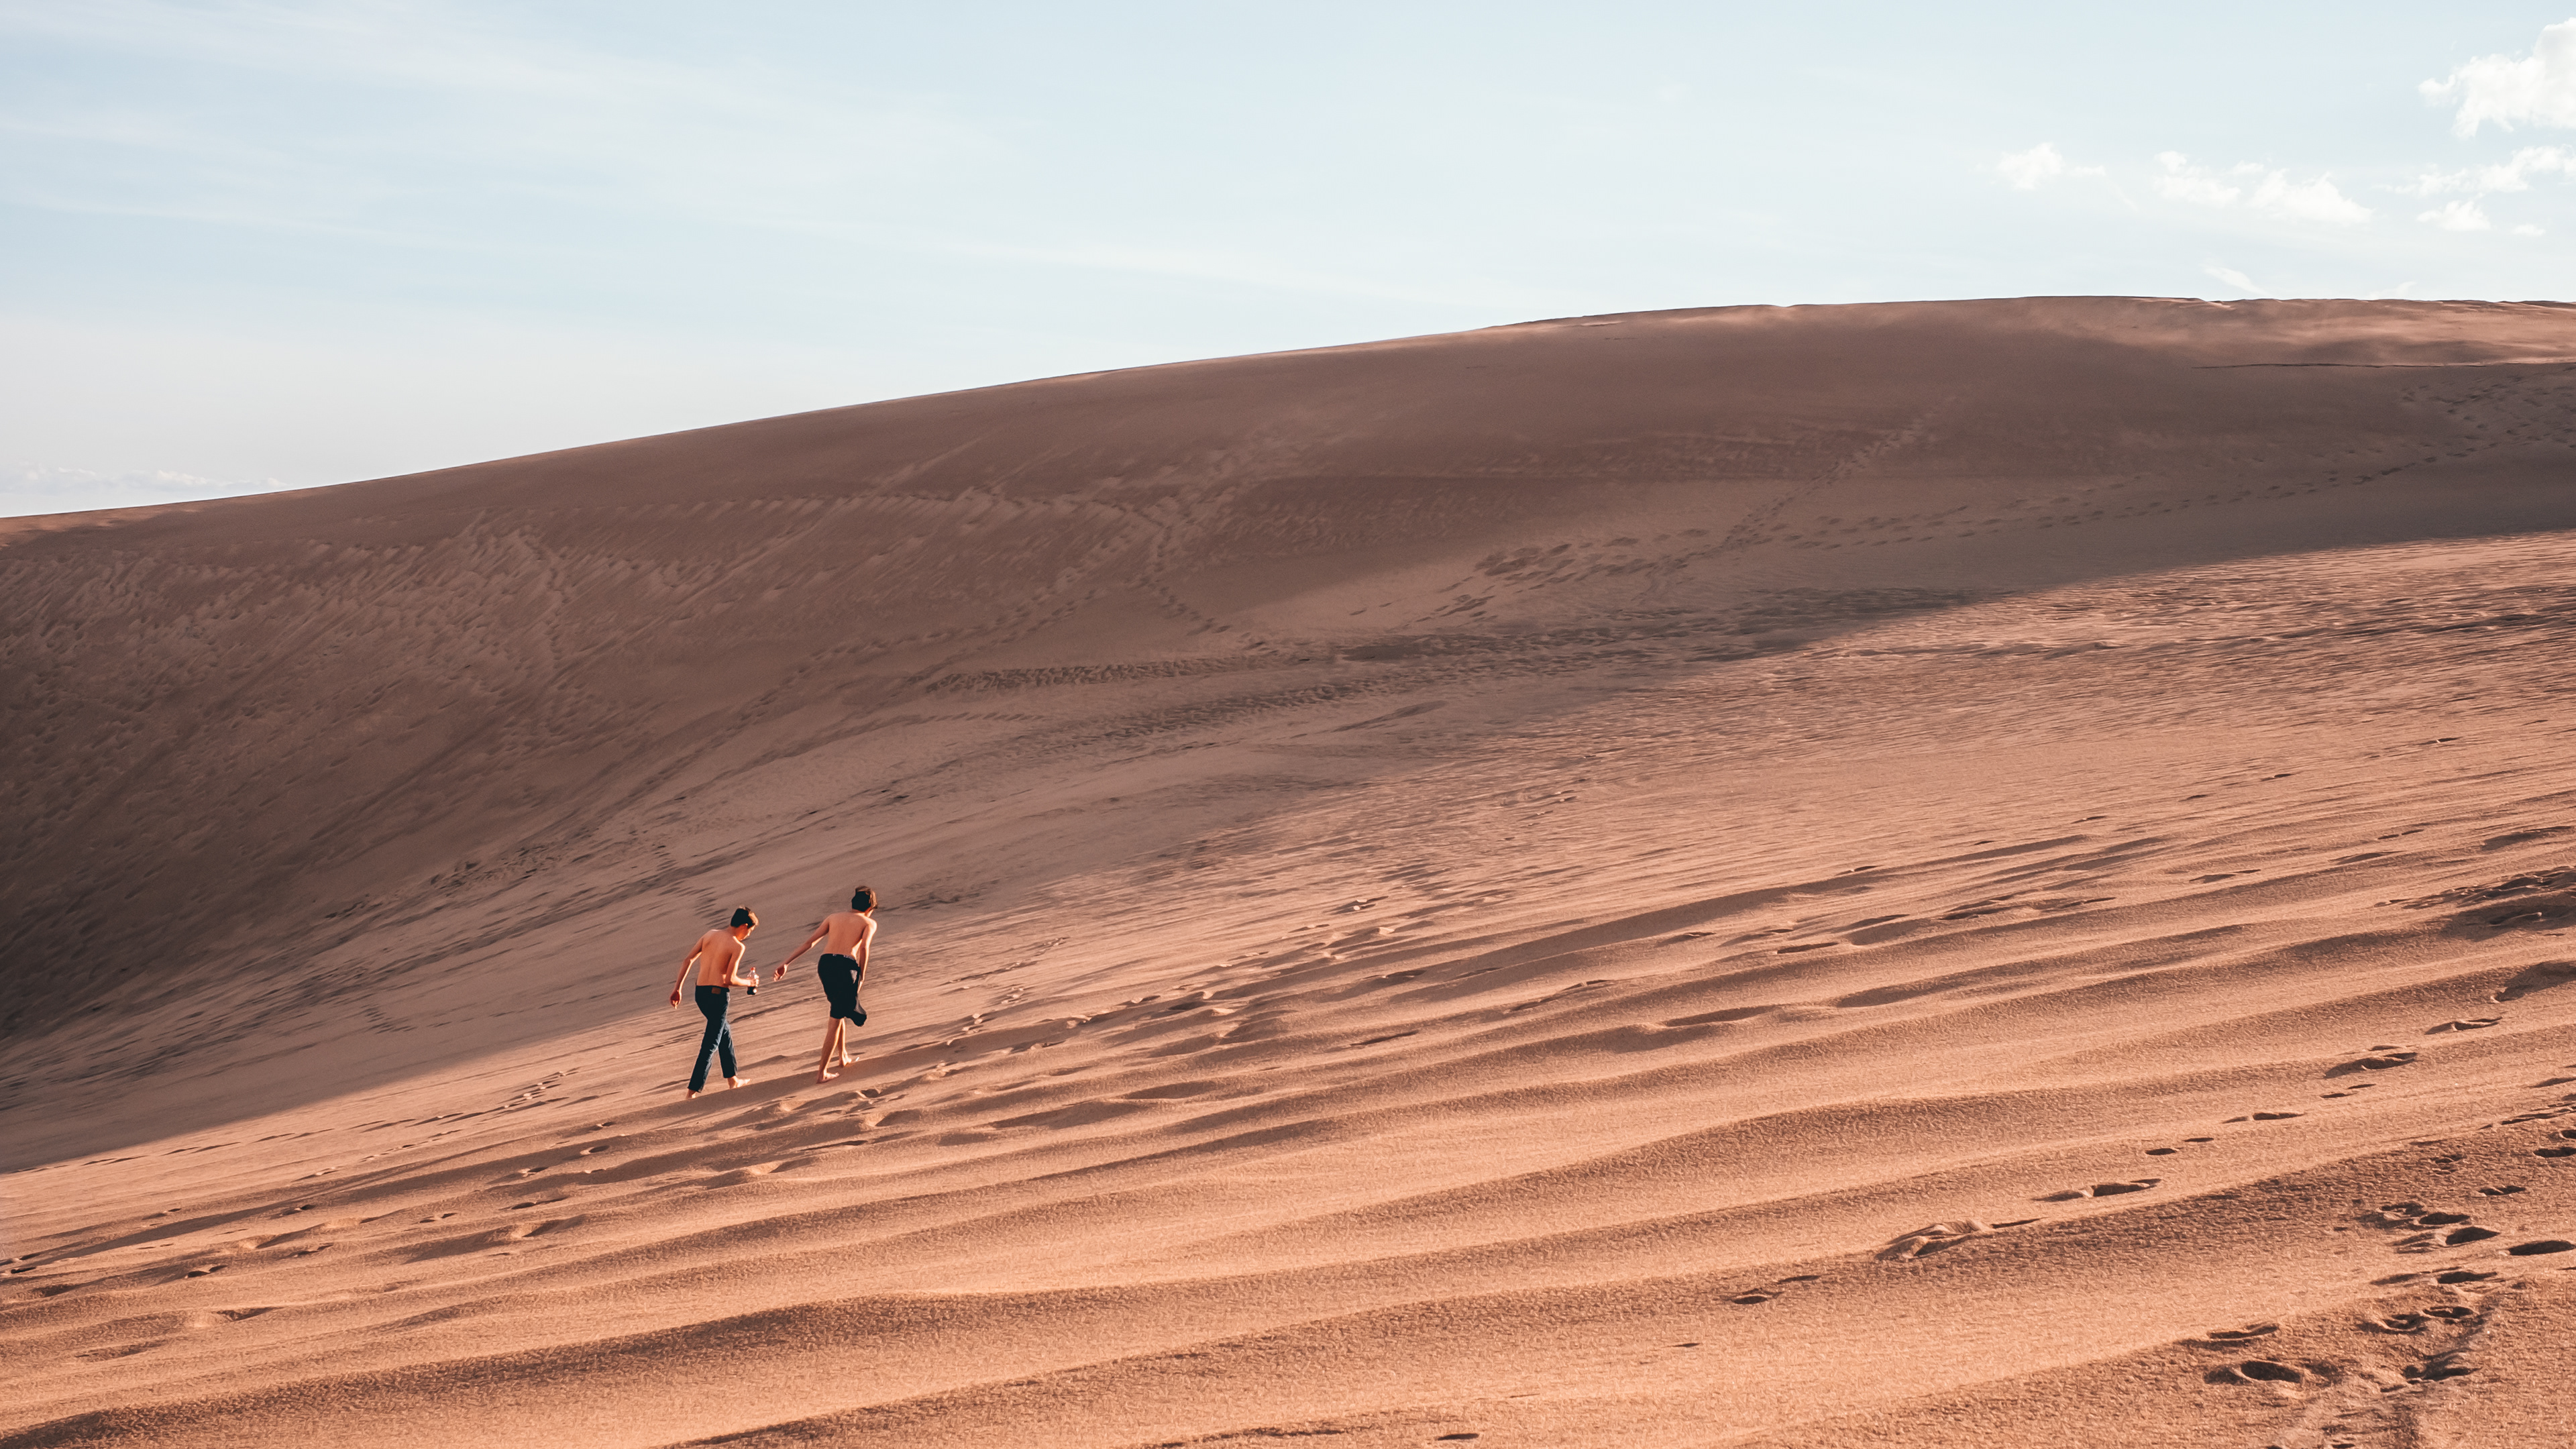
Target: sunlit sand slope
{"type": "Point", "coordinates": [1963, 874]}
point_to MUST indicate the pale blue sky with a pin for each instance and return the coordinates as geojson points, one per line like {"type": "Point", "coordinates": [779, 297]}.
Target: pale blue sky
{"type": "Point", "coordinates": [281, 244]}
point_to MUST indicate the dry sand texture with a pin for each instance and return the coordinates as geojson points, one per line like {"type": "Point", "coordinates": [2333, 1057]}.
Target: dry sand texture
{"type": "Point", "coordinates": [1968, 874]}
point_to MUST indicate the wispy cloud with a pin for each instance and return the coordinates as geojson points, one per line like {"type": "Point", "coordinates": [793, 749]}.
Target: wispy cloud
{"type": "Point", "coordinates": [2539, 88]}
{"type": "Point", "coordinates": [2257, 189]}
{"type": "Point", "coordinates": [2031, 169]}
{"type": "Point", "coordinates": [2233, 278]}
{"type": "Point", "coordinates": [33, 488]}
{"type": "Point", "coordinates": [452, 120]}
{"type": "Point", "coordinates": [2182, 181]}
{"type": "Point", "coordinates": [2512, 175]}
{"type": "Point", "coordinates": [2462, 215]}
{"type": "Point", "coordinates": [445, 101]}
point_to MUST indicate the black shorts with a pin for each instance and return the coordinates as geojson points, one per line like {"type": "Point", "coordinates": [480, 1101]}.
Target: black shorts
{"type": "Point", "coordinates": [841, 987]}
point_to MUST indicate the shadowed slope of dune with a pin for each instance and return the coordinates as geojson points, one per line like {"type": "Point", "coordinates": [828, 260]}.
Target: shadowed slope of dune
{"type": "Point", "coordinates": [1924, 874]}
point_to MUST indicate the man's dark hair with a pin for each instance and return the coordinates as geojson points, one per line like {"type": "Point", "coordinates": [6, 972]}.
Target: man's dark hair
{"type": "Point", "coordinates": [742, 916]}
{"type": "Point", "coordinates": [863, 899]}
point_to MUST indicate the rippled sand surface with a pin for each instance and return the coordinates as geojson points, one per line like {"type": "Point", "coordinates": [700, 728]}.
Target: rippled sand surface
{"type": "Point", "coordinates": [1966, 874]}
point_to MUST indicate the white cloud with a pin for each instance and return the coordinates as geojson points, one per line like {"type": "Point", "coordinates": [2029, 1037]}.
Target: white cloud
{"type": "Point", "coordinates": [2233, 278]}
{"type": "Point", "coordinates": [2464, 215]}
{"type": "Point", "coordinates": [2539, 87]}
{"type": "Point", "coordinates": [2183, 181]}
{"type": "Point", "coordinates": [2028, 170]}
{"type": "Point", "coordinates": [2513, 175]}
{"type": "Point", "coordinates": [35, 488]}
{"type": "Point", "coordinates": [2316, 200]}
{"type": "Point", "coordinates": [2527, 229]}
{"type": "Point", "coordinates": [2270, 192]}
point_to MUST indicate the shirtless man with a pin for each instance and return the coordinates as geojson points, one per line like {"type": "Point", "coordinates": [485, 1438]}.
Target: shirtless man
{"type": "Point", "coordinates": [843, 965]}
{"type": "Point", "coordinates": [718, 957]}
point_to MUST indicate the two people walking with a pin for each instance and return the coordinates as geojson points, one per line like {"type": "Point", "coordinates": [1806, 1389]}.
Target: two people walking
{"type": "Point", "coordinates": [718, 957]}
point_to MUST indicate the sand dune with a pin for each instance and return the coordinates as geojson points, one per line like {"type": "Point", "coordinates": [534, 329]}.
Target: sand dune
{"type": "Point", "coordinates": [1953, 874]}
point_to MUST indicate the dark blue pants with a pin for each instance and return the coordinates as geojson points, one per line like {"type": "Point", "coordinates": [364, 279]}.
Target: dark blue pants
{"type": "Point", "coordinates": [719, 1038]}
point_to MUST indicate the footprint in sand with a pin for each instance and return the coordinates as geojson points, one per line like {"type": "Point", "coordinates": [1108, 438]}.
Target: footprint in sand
{"type": "Point", "coordinates": [2543, 1246]}
{"type": "Point", "coordinates": [2101, 1189]}
{"type": "Point", "coordinates": [2238, 1335]}
{"type": "Point", "coordinates": [1934, 1237]}
{"type": "Point", "coordinates": [1765, 1295]}
{"type": "Point", "coordinates": [2478, 1024]}
{"type": "Point", "coordinates": [2455, 1238]}
{"type": "Point", "coordinates": [2259, 1370]}
{"type": "Point", "coordinates": [741, 1175]}
{"type": "Point", "coordinates": [2434, 1370]}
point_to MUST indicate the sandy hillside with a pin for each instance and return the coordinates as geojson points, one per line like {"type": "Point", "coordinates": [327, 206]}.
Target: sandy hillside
{"type": "Point", "coordinates": [1967, 874]}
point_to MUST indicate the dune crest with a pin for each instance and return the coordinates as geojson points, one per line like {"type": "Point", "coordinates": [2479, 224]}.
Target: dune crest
{"type": "Point", "coordinates": [1962, 874]}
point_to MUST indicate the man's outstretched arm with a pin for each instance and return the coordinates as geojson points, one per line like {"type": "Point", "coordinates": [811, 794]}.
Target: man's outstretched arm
{"type": "Point", "coordinates": [819, 933]}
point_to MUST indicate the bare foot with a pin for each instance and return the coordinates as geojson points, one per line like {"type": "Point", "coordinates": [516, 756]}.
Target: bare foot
{"type": "Point", "coordinates": [693, 1096]}
{"type": "Point", "coordinates": [733, 1081]}
{"type": "Point", "coordinates": [825, 1076]}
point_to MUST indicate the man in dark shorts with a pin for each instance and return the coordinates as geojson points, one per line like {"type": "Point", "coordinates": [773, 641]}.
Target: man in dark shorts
{"type": "Point", "coordinates": [843, 965]}
{"type": "Point", "coordinates": [718, 956]}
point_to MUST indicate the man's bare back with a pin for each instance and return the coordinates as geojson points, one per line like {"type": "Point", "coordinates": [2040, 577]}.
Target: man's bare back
{"type": "Point", "coordinates": [846, 933]}
{"type": "Point", "coordinates": [843, 969]}
{"type": "Point", "coordinates": [718, 952]}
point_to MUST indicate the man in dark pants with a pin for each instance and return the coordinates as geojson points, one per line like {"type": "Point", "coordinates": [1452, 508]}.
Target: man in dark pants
{"type": "Point", "coordinates": [843, 965]}
{"type": "Point", "coordinates": [718, 958]}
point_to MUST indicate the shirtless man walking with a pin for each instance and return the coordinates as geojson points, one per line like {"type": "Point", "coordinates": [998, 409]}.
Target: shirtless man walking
{"type": "Point", "coordinates": [718, 957]}
{"type": "Point", "coordinates": [843, 965]}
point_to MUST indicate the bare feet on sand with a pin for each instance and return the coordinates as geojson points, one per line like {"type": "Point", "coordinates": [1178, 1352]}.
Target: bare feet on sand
{"type": "Point", "coordinates": [827, 1074]}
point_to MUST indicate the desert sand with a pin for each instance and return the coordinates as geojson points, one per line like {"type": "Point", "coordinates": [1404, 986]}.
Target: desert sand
{"type": "Point", "coordinates": [1963, 874]}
